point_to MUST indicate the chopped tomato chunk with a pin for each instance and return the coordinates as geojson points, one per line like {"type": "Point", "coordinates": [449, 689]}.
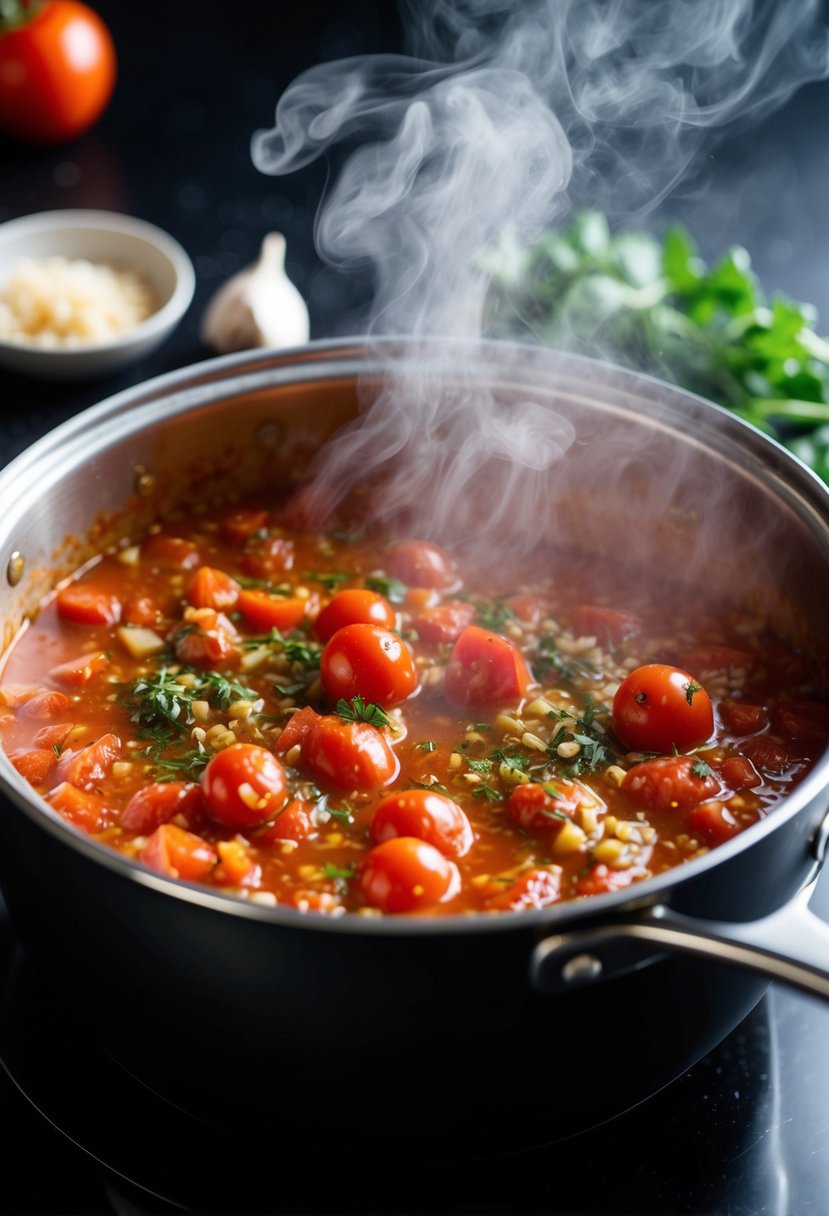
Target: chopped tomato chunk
{"type": "Point", "coordinates": [160, 802]}
{"type": "Point", "coordinates": [87, 606]}
{"type": "Point", "coordinates": [236, 867]}
{"type": "Point", "coordinates": [533, 889]}
{"type": "Point", "coordinates": [53, 736]}
{"type": "Point", "coordinates": [765, 754]}
{"type": "Point", "coordinates": [420, 564]}
{"type": "Point", "coordinates": [601, 879]}
{"type": "Point", "coordinates": [207, 639]}
{"type": "Point", "coordinates": [44, 705]}
{"type": "Point", "coordinates": [611, 627]}
{"type": "Point", "coordinates": [446, 622]}
{"type": "Point", "coordinates": [742, 719]}
{"type": "Point", "coordinates": [75, 673]}
{"type": "Point", "coordinates": [295, 729]}
{"type": "Point", "coordinates": [671, 782]}
{"type": "Point", "coordinates": [268, 557]}
{"type": "Point", "coordinates": [213, 588]}
{"type": "Point", "coordinates": [177, 853]}
{"type": "Point", "coordinates": [85, 810]}
{"type": "Point", "coordinates": [264, 611]}
{"type": "Point", "coordinates": [239, 525]}
{"type": "Point", "coordinates": [293, 823]}
{"type": "Point", "coordinates": [547, 807]}
{"type": "Point", "coordinates": [35, 765]}
{"type": "Point", "coordinates": [89, 766]}
{"type": "Point", "coordinates": [163, 550]}
{"type": "Point", "coordinates": [709, 660]}
{"type": "Point", "coordinates": [805, 721]}
{"type": "Point", "coordinates": [739, 773]}
{"type": "Point", "coordinates": [714, 822]}
{"type": "Point", "coordinates": [142, 610]}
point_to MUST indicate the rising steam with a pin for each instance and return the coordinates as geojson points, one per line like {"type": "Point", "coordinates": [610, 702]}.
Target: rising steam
{"type": "Point", "coordinates": [505, 116]}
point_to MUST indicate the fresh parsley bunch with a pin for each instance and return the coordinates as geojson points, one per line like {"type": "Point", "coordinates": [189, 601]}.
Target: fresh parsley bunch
{"type": "Point", "coordinates": [654, 304]}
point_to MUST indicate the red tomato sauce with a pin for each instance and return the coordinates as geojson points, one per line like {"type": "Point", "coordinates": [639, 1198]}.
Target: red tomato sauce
{"type": "Point", "coordinates": [339, 723]}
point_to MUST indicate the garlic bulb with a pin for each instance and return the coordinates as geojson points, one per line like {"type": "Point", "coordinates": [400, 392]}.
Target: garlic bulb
{"type": "Point", "coordinates": [259, 306]}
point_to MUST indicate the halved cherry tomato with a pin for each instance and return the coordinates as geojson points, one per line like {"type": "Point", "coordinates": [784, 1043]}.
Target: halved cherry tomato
{"type": "Point", "coordinates": [155, 804]}
{"type": "Point", "coordinates": [445, 622]}
{"type": "Point", "coordinates": [34, 765]}
{"type": "Point", "coordinates": [429, 815]}
{"type": "Point", "coordinates": [713, 822]}
{"type": "Point", "coordinates": [421, 564]}
{"type": "Point", "coordinates": [485, 669]}
{"type": "Point", "coordinates": [293, 823]}
{"type": "Point", "coordinates": [163, 550]}
{"type": "Point", "coordinates": [80, 807]}
{"type": "Point", "coordinates": [611, 627]}
{"type": "Point", "coordinates": [75, 673]}
{"type": "Point", "coordinates": [44, 705]}
{"type": "Point", "coordinates": [741, 718]}
{"type": "Point", "coordinates": [347, 755]}
{"type": "Point", "coordinates": [177, 853]}
{"type": "Point", "coordinates": [406, 874]}
{"type": "Point", "coordinates": [670, 783]}
{"type": "Point", "coordinates": [354, 606]}
{"type": "Point", "coordinates": [765, 754]}
{"type": "Point", "coordinates": [658, 708]}
{"type": "Point", "coordinates": [207, 639]}
{"type": "Point", "coordinates": [213, 588]}
{"type": "Point", "coordinates": [805, 721]}
{"type": "Point", "coordinates": [547, 807]}
{"type": "Point", "coordinates": [239, 525]}
{"type": "Point", "coordinates": [534, 888]}
{"type": "Point", "coordinates": [87, 767]}
{"type": "Point", "coordinates": [86, 606]}
{"type": "Point", "coordinates": [57, 72]}
{"type": "Point", "coordinates": [267, 557]}
{"type": "Point", "coordinates": [243, 785]}
{"type": "Point", "coordinates": [268, 612]}
{"type": "Point", "coordinates": [369, 662]}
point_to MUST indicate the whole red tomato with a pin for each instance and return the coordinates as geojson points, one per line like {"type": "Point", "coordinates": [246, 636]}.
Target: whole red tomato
{"type": "Point", "coordinates": [57, 70]}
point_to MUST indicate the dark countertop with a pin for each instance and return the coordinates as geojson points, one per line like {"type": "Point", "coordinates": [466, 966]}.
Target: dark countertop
{"type": "Point", "coordinates": [747, 1130]}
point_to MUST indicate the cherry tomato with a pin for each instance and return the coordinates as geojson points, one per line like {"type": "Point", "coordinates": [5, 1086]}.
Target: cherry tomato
{"type": "Point", "coordinates": [292, 823]}
{"type": "Point", "coordinates": [243, 785]}
{"type": "Point", "coordinates": [86, 606]}
{"type": "Point", "coordinates": [485, 669]}
{"type": "Point", "coordinates": [419, 564]}
{"type": "Point", "coordinates": [57, 72]}
{"type": "Point", "coordinates": [444, 622]}
{"type": "Point", "coordinates": [546, 807]}
{"type": "Point", "coordinates": [426, 814]}
{"type": "Point", "coordinates": [355, 606]}
{"type": "Point", "coordinates": [239, 525]}
{"type": "Point", "coordinates": [369, 662]}
{"type": "Point", "coordinates": [670, 783]}
{"type": "Point", "coordinates": [268, 557]}
{"type": "Point", "coordinates": [406, 874]}
{"type": "Point", "coordinates": [658, 708]}
{"type": "Point", "coordinates": [347, 755]}
{"type": "Point", "coordinates": [739, 773]}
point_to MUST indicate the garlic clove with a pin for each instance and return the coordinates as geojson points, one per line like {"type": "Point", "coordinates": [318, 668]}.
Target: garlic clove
{"type": "Point", "coordinates": [259, 306]}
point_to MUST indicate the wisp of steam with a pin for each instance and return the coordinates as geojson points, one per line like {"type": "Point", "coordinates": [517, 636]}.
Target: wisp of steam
{"type": "Point", "coordinates": [502, 118]}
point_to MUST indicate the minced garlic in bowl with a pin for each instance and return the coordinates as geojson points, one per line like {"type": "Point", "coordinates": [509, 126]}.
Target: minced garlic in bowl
{"type": "Point", "coordinates": [62, 302]}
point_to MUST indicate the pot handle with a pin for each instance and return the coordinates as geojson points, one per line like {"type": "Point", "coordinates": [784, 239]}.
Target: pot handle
{"type": "Point", "coordinates": [791, 945]}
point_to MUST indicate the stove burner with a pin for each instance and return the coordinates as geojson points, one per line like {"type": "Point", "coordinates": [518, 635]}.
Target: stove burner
{"type": "Point", "coordinates": [667, 1155]}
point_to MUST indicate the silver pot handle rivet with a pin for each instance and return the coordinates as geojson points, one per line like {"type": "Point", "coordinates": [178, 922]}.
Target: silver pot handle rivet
{"type": "Point", "coordinates": [15, 568]}
{"type": "Point", "coordinates": [581, 969]}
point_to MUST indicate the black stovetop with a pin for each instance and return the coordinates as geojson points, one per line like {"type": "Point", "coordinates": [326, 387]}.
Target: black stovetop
{"type": "Point", "coordinates": [746, 1131]}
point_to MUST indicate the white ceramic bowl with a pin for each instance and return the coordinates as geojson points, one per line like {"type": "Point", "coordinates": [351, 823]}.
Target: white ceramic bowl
{"type": "Point", "coordinates": [104, 237]}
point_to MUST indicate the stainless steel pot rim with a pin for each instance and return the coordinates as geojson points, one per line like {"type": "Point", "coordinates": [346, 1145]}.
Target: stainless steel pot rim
{"type": "Point", "coordinates": [257, 368]}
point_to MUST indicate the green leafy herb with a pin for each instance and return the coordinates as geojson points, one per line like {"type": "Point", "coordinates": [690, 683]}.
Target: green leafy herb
{"type": "Point", "coordinates": [487, 793]}
{"type": "Point", "coordinates": [160, 700]}
{"type": "Point", "coordinates": [655, 305]}
{"type": "Point", "coordinates": [331, 579]}
{"type": "Point", "coordinates": [593, 751]}
{"type": "Point", "coordinates": [358, 710]}
{"type": "Point", "coordinates": [187, 765]}
{"type": "Point", "coordinates": [700, 769]}
{"type": "Point", "coordinates": [514, 760]}
{"type": "Point", "coordinates": [482, 767]}
{"type": "Point", "coordinates": [391, 588]}
{"type": "Point", "coordinates": [344, 872]}
{"type": "Point", "coordinates": [298, 650]}
{"type": "Point", "coordinates": [426, 745]}
{"type": "Point", "coordinates": [690, 689]}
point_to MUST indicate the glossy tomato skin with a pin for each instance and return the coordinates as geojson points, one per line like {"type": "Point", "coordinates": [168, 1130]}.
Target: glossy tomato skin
{"type": "Point", "coordinates": [347, 755]}
{"type": "Point", "coordinates": [485, 669]}
{"type": "Point", "coordinates": [57, 73]}
{"type": "Point", "coordinates": [369, 662]}
{"type": "Point", "coordinates": [670, 783]}
{"type": "Point", "coordinates": [417, 563]}
{"type": "Point", "coordinates": [243, 785]}
{"type": "Point", "coordinates": [354, 606]}
{"type": "Point", "coordinates": [405, 874]}
{"type": "Point", "coordinates": [658, 708]}
{"type": "Point", "coordinates": [426, 814]}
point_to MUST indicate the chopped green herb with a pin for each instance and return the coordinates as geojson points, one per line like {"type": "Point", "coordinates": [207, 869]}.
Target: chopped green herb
{"type": "Point", "coordinates": [486, 792]}
{"type": "Point", "coordinates": [426, 745]}
{"type": "Point", "coordinates": [358, 710]}
{"type": "Point", "coordinates": [593, 751]}
{"type": "Point", "coordinates": [512, 759]}
{"type": "Point", "coordinates": [330, 579]}
{"type": "Point", "coordinates": [344, 872]}
{"type": "Point", "coordinates": [700, 769]}
{"type": "Point", "coordinates": [391, 588]}
{"type": "Point", "coordinates": [480, 766]}
{"type": "Point", "coordinates": [690, 689]}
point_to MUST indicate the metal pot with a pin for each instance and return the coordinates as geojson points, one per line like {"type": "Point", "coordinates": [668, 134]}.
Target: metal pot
{"type": "Point", "coordinates": [512, 1030]}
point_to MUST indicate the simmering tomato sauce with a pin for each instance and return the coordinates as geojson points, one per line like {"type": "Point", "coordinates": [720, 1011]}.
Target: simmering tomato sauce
{"type": "Point", "coordinates": [340, 722]}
